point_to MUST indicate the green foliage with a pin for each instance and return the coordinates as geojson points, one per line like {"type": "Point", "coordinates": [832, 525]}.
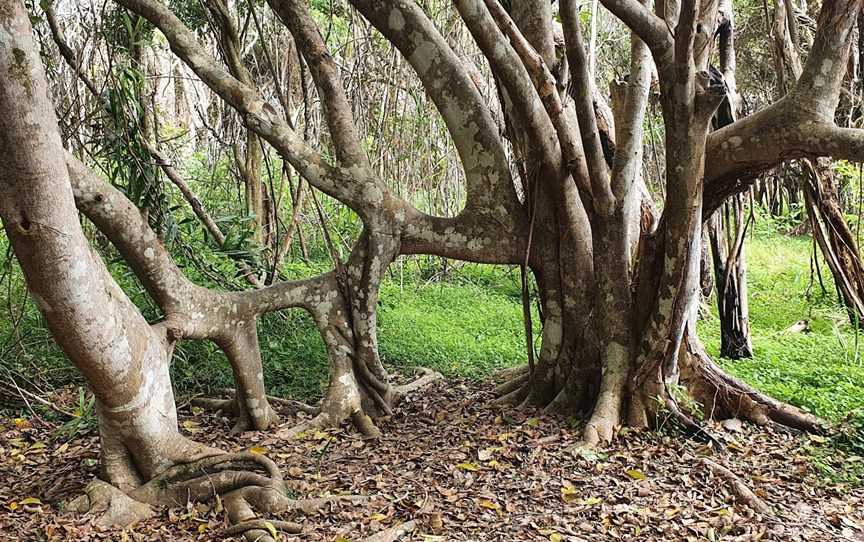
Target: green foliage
{"type": "Point", "coordinates": [85, 417]}
{"type": "Point", "coordinates": [849, 435]}
{"type": "Point", "coordinates": [835, 463]}
{"type": "Point", "coordinates": [819, 370]}
{"type": "Point", "coordinates": [457, 327]}
{"type": "Point", "coordinates": [126, 158]}
{"type": "Point", "coordinates": [191, 12]}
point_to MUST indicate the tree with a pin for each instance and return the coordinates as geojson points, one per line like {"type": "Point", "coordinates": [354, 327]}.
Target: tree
{"type": "Point", "coordinates": [617, 285]}
{"type": "Point", "coordinates": [576, 224]}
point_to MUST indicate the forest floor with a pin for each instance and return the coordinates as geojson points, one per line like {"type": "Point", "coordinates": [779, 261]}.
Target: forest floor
{"type": "Point", "coordinates": [463, 469]}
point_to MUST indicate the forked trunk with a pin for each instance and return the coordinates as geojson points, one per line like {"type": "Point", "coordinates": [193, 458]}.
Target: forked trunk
{"type": "Point", "coordinates": [145, 460]}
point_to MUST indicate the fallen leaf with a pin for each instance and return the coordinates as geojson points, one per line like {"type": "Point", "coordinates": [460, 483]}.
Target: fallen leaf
{"type": "Point", "coordinates": [635, 474]}
{"type": "Point", "coordinates": [490, 505]}
{"type": "Point", "coordinates": [22, 423]}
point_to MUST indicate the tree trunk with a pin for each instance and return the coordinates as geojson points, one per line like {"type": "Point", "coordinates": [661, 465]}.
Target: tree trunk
{"type": "Point", "coordinates": [618, 334]}
{"type": "Point", "coordinates": [726, 231]}
{"type": "Point", "coordinates": [125, 361]}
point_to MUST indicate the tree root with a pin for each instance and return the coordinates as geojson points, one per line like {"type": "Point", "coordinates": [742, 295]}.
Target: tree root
{"type": "Point", "coordinates": [112, 507]}
{"type": "Point", "coordinates": [264, 526]}
{"type": "Point", "coordinates": [739, 489]}
{"type": "Point", "coordinates": [332, 415]}
{"type": "Point", "coordinates": [393, 533]}
{"type": "Point", "coordinates": [247, 482]}
{"type": "Point", "coordinates": [243, 419]}
{"type": "Point", "coordinates": [724, 396]}
{"type": "Point", "coordinates": [229, 406]}
{"type": "Point", "coordinates": [652, 402]}
{"type": "Point", "coordinates": [512, 384]}
{"type": "Point", "coordinates": [427, 378]}
{"type": "Point", "coordinates": [342, 403]}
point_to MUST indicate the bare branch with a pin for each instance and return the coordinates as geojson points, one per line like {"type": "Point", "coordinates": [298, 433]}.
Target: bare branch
{"type": "Point", "coordinates": [649, 27]}
{"type": "Point", "coordinates": [447, 83]}
{"type": "Point", "coordinates": [346, 184]}
{"type": "Point", "coordinates": [295, 15]}
{"type": "Point", "coordinates": [818, 88]}
{"type": "Point", "coordinates": [583, 92]}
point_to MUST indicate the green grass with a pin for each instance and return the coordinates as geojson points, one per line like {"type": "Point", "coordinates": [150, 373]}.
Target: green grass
{"type": "Point", "coordinates": [822, 370]}
{"type": "Point", "coordinates": [465, 320]}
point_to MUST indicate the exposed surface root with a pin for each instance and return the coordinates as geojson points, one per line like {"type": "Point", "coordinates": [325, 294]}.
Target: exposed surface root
{"type": "Point", "coordinates": [341, 403]}
{"type": "Point", "coordinates": [511, 385]}
{"type": "Point", "coordinates": [738, 488]}
{"type": "Point", "coordinates": [112, 507]}
{"type": "Point", "coordinates": [428, 378]}
{"type": "Point", "coordinates": [248, 483]}
{"type": "Point", "coordinates": [332, 417]}
{"type": "Point", "coordinates": [600, 429]}
{"type": "Point", "coordinates": [413, 473]}
{"type": "Point", "coordinates": [225, 406]}
{"type": "Point", "coordinates": [263, 526]}
{"type": "Point", "coordinates": [243, 420]}
{"type": "Point", "coordinates": [228, 405]}
{"type": "Point", "coordinates": [724, 396]}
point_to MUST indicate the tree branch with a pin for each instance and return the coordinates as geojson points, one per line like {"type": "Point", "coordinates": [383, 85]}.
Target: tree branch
{"type": "Point", "coordinates": [345, 184]}
{"type": "Point", "coordinates": [649, 27]}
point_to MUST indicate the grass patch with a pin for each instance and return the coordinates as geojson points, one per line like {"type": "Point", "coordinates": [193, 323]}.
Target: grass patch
{"type": "Point", "coordinates": [821, 370]}
{"type": "Point", "coordinates": [465, 320]}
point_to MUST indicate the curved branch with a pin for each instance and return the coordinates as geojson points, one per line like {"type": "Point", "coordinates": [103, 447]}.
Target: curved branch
{"type": "Point", "coordinates": [121, 222]}
{"type": "Point", "coordinates": [577, 58]}
{"type": "Point", "coordinates": [799, 125]}
{"type": "Point", "coordinates": [648, 26]}
{"type": "Point", "coordinates": [818, 88]}
{"type": "Point", "coordinates": [465, 112]}
{"type": "Point", "coordinates": [337, 110]}
{"type": "Point", "coordinates": [546, 87]}
{"type": "Point", "coordinates": [347, 184]}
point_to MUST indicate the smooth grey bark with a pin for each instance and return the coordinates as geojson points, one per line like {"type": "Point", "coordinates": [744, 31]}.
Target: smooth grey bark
{"type": "Point", "coordinates": [145, 462]}
{"type": "Point", "coordinates": [578, 207]}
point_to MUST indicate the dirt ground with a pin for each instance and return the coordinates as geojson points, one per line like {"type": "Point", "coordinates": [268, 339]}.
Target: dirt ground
{"type": "Point", "coordinates": [460, 468]}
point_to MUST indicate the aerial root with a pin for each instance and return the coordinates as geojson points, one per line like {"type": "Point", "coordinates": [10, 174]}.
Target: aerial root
{"type": "Point", "coordinates": [739, 489]}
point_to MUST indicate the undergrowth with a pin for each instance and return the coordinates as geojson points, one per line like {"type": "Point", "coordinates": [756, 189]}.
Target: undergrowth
{"type": "Point", "coordinates": [466, 320]}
